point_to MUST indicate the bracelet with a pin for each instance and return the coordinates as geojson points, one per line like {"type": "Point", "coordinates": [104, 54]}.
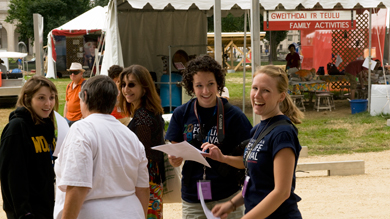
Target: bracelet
{"type": "Point", "coordinates": [234, 206]}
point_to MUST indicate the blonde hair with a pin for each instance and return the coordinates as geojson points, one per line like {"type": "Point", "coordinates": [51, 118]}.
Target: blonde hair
{"type": "Point", "coordinates": [287, 107]}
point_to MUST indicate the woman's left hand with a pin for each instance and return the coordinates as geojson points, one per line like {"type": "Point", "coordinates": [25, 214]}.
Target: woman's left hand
{"type": "Point", "coordinates": [214, 152]}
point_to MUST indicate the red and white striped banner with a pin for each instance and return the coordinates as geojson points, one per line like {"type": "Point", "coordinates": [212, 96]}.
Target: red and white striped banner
{"type": "Point", "coordinates": [309, 20]}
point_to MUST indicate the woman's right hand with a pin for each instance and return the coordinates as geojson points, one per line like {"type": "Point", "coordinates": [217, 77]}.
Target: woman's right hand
{"type": "Point", "coordinates": [175, 161]}
{"type": "Point", "coordinates": [222, 210]}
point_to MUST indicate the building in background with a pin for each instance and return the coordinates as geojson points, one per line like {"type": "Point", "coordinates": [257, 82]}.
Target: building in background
{"type": "Point", "coordinates": [9, 38]}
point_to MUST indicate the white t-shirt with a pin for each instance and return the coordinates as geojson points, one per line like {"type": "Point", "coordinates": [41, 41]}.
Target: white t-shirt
{"type": "Point", "coordinates": [101, 153]}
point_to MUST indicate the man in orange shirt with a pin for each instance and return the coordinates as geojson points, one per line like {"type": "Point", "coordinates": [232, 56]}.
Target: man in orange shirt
{"type": "Point", "coordinates": [72, 111]}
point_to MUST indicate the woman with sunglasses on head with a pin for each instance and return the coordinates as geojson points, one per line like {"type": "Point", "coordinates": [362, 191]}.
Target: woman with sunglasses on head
{"type": "Point", "coordinates": [140, 100]}
{"type": "Point", "coordinates": [27, 143]}
{"type": "Point", "coordinates": [72, 112]}
{"type": "Point", "coordinates": [209, 123]}
{"type": "Point", "coordinates": [272, 154]}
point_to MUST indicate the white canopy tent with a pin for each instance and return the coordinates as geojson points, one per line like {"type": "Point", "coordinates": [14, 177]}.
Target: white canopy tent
{"type": "Point", "coordinates": [90, 21]}
{"type": "Point", "coordinates": [154, 7]}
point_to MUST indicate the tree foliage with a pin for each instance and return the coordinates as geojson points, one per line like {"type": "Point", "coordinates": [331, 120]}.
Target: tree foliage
{"type": "Point", "coordinates": [54, 12]}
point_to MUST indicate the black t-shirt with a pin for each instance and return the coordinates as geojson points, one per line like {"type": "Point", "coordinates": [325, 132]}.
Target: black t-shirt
{"type": "Point", "coordinates": [261, 165]}
{"type": "Point", "coordinates": [184, 126]}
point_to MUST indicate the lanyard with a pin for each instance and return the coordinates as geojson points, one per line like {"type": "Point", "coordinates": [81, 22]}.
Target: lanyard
{"type": "Point", "coordinates": [259, 137]}
{"type": "Point", "coordinates": [220, 121]}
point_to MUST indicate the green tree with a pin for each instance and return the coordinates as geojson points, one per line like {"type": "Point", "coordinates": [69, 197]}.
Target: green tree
{"type": "Point", "coordinates": [54, 12]}
{"type": "Point", "coordinates": [277, 37]}
{"type": "Point", "coordinates": [101, 2]}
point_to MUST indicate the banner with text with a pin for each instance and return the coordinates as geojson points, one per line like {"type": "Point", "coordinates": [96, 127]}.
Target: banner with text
{"type": "Point", "coordinates": [309, 20]}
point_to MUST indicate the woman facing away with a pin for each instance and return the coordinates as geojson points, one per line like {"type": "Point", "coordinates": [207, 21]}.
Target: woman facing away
{"type": "Point", "coordinates": [140, 100]}
{"type": "Point", "coordinates": [271, 160]}
{"type": "Point", "coordinates": [101, 168]}
{"type": "Point", "coordinates": [27, 143]}
{"type": "Point", "coordinates": [208, 121]}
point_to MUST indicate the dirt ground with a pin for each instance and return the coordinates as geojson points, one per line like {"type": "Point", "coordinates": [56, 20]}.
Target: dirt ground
{"type": "Point", "coordinates": [324, 197]}
{"type": "Point", "coordinates": [356, 196]}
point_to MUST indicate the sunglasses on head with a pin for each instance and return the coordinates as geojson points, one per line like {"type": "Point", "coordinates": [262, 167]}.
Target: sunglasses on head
{"type": "Point", "coordinates": [129, 85]}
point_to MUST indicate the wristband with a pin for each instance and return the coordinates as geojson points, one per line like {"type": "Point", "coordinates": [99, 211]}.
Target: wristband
{"type": "Point", "coordinates": [234, 206]}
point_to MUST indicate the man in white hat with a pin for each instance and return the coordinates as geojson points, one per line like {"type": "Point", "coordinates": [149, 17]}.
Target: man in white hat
{"type": "Point", "coordinates": [72, 111]}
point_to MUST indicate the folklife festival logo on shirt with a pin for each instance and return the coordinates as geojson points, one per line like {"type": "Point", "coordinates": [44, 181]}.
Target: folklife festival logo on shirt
{"type": "Point", "coordinates": [252, 158]}
{"type": "Point", "coordinates": [192, 130]}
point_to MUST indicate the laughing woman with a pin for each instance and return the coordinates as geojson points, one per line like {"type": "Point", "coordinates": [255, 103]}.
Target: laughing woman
{"type": "Point", "coordinates": [27, 143]}
{"type": "Point", "coordinates": [270, 159]}
{"type": "Point", "coordinates": [140, 100]}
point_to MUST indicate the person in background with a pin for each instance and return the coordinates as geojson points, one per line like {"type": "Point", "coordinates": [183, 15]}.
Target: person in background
{"type": "Point", "coordinates": [270, 161]}
{"type": "Point", "coordinates": [198, 122]}
{"type": "Point", "coordinates": [20, 64]}
{"type": "Point", "coordinates": [293, 61]}
{"type": "Point", "coordinates": [101, 168]}
{"type": "Point", "coordinates": [140, 100]}
{"type": "Point", "coordinates": [3, 68]}
{"type": "Point", "coordinates": [355, 69]}
{"type": "Point", "coordinates": [113, 72]}
{"type": "Point", "coordinates": [72, 112]}
{"type": "Point", "coordinates": [27, 143]}
{"type": "Point", "coordinates": [378, 65]}
{"type": "Point", "coordinates": [225, 93]}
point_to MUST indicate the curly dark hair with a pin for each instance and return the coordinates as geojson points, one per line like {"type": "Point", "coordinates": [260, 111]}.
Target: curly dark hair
{"type": "Point", "coordinates": [202, 64]}
{"type": "Point", "coordinates": [114, 71]}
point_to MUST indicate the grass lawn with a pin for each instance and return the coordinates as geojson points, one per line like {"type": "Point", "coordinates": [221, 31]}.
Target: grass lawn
{"type": "Point", "coordinates": [324, 132]}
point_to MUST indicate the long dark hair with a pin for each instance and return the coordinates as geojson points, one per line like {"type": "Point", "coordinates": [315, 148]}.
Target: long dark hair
{"type": "Point", "coordinates": [150, 100]}
{"type": "Point", "coordinates": [28, 91]}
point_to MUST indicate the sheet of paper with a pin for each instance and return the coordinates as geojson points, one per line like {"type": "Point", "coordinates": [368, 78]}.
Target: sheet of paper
{"type": "Point", "coordinates": [365, 63]}
{"type": "Point", "coordinates": [207, 212]}
{"type": "Point", "coordinates": [184, 150]}
{"type": "Point", "coordinates": [62, 130]}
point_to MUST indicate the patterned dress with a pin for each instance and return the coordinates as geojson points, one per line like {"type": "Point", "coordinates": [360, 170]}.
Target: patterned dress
{"type": "Point", "coordinates": [150, 130]}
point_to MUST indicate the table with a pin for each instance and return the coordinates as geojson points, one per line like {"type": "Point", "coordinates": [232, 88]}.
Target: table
{"type": "Point", "coordinates": [335, 81]}
{"type": "Point", "coordinates": [297, 87]}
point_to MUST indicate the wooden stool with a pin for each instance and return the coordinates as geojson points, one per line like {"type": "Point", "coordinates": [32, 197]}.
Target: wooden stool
{"type": "Point", "coordinates": [323, 101]}
{"type": "Point", "coordinates": [299, 101]}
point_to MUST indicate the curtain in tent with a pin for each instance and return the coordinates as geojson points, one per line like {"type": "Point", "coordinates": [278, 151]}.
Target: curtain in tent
{"type": "Point", "coordinates": [145, 36]}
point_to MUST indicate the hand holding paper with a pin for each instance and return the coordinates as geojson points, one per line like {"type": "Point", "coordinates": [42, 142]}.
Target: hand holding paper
{"type": "Point", "coordinates": [184, 150]}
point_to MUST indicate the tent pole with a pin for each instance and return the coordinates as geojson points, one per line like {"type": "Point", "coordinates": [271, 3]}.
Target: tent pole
{"type": "Point", "coordinates": [369, 60]}
{"type": "Point", "coordinates": [170, 78]}
{"type": "Point", "coordinates": [244, 64]}
{"type": "Point", "coordinates": [217, 32]}
{"type": "Point", "coordinates": [255, 43]}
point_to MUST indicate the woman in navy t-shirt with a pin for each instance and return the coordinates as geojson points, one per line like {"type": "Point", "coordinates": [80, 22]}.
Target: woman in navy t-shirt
{"type": "Point", "coordinates": [210, 123]}
{"type": "Point", "coordinates": [270, 162]}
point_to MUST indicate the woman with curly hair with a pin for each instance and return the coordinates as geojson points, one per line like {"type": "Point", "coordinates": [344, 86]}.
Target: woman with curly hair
{"type": "Point", "coordinates": [139, 99]}
{"type": "Point", "coordinates": [208, 123]}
